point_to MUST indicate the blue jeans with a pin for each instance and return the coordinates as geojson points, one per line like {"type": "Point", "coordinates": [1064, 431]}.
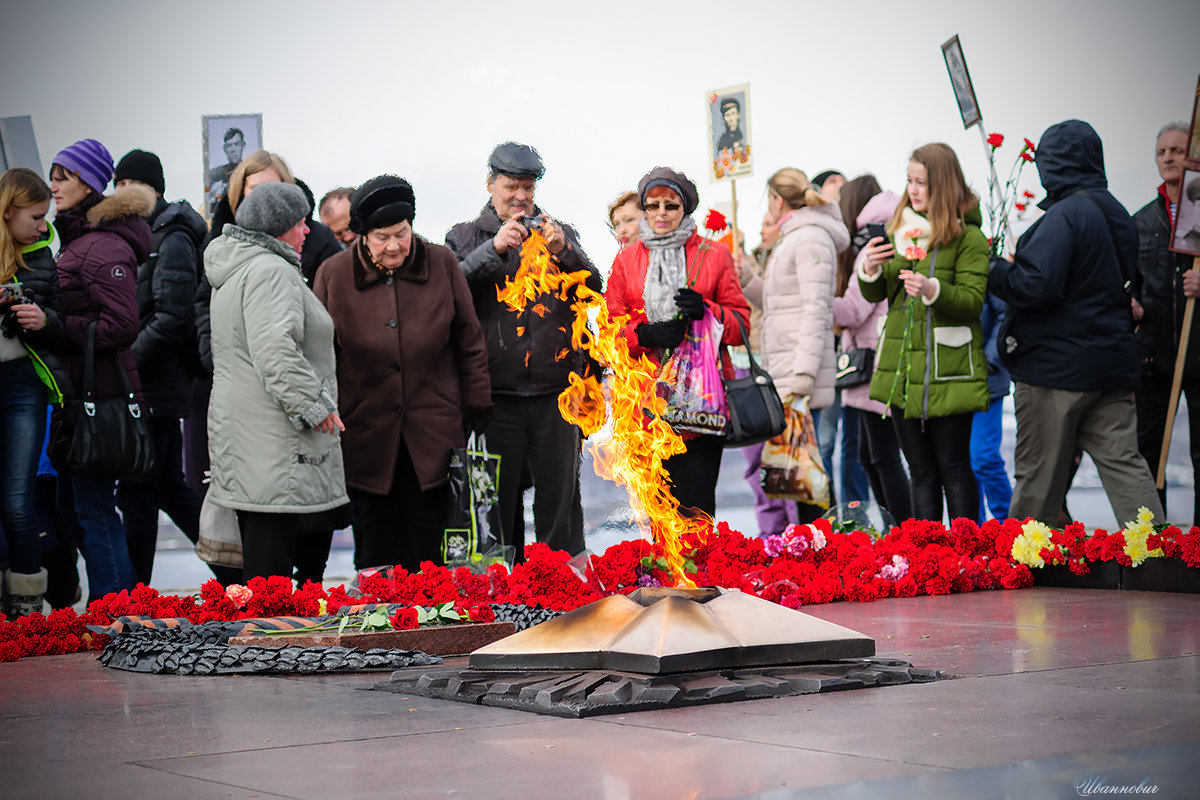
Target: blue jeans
{"type": "Point", "coordinates": [995, 490]}
{"type": "Point", "coordinates": [92, 502]}
{"type": "Point", "coordinates": [22, 427]}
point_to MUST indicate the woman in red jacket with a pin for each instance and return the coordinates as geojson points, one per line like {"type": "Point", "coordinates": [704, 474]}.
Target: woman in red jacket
{"type": "Point", "coordinates": [663, 282]}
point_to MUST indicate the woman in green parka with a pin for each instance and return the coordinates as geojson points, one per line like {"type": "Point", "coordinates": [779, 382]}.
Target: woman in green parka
{"type": "Point", "coordinates": [930, 368]}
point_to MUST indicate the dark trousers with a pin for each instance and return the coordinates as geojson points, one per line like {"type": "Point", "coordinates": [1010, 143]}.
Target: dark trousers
{"type": "Point", "coordinates": [529, 433]}
{"type": "Point", "coordinates": [22, 430]}
{"type": "Point", "coordinates": [195, 429]}
{"type": "Point", "coordinates": [140, 501]}
{"type": "Point", "coordinates": [1152, 398]}
{"type": "Point", "coordinates": [879, 454]}
{"type": "Point", "coordinates": [694, 473]}
{"type": "Point", "coordinates": [855, 483]}
{"type": "Point", "coordinates": [274, 544]}
{"type": "Point", "coordinates": [404, 526]}
{"type": "Point", "coordinates": [938, 452]}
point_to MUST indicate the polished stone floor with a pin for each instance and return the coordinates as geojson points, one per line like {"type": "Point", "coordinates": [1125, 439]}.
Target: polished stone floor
{"type": "Point", "coordinates": [1060, 692]}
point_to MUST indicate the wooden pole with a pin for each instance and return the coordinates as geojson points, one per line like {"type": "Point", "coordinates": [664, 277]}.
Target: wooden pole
{"type": "Point", "coordinates": [1176, 384]}
{"type": "Point", "coordinates": [733, 242]}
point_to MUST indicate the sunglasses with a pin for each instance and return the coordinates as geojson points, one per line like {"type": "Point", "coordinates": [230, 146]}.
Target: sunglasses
{"type": "Point", "coordinates": [654, 208]}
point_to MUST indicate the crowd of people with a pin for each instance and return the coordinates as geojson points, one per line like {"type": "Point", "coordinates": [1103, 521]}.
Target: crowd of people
{"type": "Point", "coordinates": [313, 375]}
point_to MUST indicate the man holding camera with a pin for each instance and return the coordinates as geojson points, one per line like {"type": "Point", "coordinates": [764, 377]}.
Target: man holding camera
{"type": "Point", "coordinates": [530, 357]}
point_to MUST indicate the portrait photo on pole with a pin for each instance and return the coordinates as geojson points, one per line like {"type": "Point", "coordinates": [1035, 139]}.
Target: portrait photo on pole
{"type": "Point", "coordinates": [1185, 238]}
{"type": "Point", "coordinates": [729, 132]}
{"type": "Point", "coordinates": [228, 138]}
{"type": "Point", "coordinates": [960, 79]}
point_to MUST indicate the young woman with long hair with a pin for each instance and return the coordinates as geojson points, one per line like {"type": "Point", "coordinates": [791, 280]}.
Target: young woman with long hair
{"type": "Point", "coordinates": [863, 202]}
{"type": "Point", "coordinates": [930, 368]}
{"type": "Point", "coordinates": [29, 321]}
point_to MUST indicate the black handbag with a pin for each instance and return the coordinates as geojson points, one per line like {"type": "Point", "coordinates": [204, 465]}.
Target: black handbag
{"type": "Point", "coordinates": [105, 438]}
{"type": "Point", "coordinates": [755, 410]}
{"type": "Point", "coordinates": [854, 367]}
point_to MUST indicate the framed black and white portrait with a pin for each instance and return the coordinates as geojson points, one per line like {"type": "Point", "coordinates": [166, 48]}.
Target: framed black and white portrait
{"type": "Point", "coordinates": [1185, 237]}
{"type": "Point", "coordinates": [729, 133]}
{"type": "Point", "coordinates": [228, 138]}
{"type": "Point", "coordinates": [960, 79]}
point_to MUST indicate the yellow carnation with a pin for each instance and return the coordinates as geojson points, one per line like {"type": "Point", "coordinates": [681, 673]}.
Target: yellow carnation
{"type": "Point", "coordinates": [1135, 537]}
{"type": "Point", "coordinates": [1027, 547]}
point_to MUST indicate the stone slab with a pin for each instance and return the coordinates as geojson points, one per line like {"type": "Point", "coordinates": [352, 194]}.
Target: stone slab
{"type": "Point", "coordinates": [437, 640]}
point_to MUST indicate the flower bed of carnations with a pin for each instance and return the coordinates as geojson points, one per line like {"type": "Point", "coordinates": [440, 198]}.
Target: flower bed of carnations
{"type": "Point", "coordinates": [806, 565]}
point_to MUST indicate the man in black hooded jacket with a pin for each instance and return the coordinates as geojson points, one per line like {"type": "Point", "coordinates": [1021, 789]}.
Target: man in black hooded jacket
{"type": "Point", "coordinates": [166, 360]}
{"type": "Point", "coordinates": [1069, 341]}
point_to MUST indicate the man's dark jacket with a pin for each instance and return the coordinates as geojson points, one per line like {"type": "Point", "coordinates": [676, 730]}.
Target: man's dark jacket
{"type": "Point", "coordinates": [538, 361]}
{"type": "Point", "coordinates": [1159, 288]}
{"type": "Point", "coordinates": [166, 287]}
{"type": "Point", "coordinates": [1070, 325]}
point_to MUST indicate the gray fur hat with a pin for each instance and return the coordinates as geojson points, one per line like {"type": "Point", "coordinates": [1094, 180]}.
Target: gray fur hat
{"type": "Point", "coordinates": [272, 208]}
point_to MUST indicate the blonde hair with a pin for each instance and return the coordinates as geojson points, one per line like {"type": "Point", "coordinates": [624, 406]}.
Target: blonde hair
{"type": "Point", "coordinates": [795, 189]}
{"type": "Point", "coordinates": [255, 162]}
{"type": "Point", "coordinates": [949, 196]}
{"type": "Point", "coordinates": [627, 197]}
{"type": "Point", "coordinates": [19, 188]}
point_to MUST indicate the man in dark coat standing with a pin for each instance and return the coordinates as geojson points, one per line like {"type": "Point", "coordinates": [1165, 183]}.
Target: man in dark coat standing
{"type": "Point", "coordinates": [530, 356]}
{"type": "Point", "coordinates": [1164, 282]}
{"type": "Point", "coordinates": [165, 354]}
{"type": "Point", "coordinates": [1069, 342]}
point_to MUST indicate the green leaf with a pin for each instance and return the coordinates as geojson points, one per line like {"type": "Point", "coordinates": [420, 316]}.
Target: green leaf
{"type": "Point", "coordinates": [376, 620]}
{"type": "Point", "coordinates": [426, 616]}
{"type": "Point", "coordinates": [689, 565]}
{"type": "Point", "coordinates": [342, 626]}
{"type": "Point", "coordinates": [647, 562]}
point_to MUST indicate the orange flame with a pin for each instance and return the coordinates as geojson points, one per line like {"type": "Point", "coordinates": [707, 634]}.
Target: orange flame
{"type": "Point", "coordinates": [632, 454]}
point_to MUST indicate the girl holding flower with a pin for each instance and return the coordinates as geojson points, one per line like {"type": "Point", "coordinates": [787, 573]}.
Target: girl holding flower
{"type": "Point", "coordinates": [930, 368]}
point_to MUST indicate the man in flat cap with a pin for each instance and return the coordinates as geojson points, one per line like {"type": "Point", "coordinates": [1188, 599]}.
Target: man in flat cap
{"type": "Point", "coordinates": [529, 354]}
{"type": "Point", "coordinates": [731, 112]}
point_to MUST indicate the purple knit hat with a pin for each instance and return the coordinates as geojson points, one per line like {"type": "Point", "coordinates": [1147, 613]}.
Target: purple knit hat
{"type": "Point", "coordinates": [91, 160]}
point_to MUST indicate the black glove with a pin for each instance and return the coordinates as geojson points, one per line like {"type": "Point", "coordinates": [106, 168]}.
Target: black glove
{"type": "Point", "coordinates": [690, 304]}
{"type": "Point", "coordinates": [661, 334]}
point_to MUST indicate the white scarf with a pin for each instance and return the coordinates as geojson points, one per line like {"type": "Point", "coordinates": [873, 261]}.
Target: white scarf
{"type": "Point", "coordinates": [666, 272]}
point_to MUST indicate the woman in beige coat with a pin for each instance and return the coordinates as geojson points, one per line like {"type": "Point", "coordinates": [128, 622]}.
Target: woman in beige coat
{"type": "Point", "coordinates": [797, 298]}
{"type": "Point", "coordinates": [797, 322]}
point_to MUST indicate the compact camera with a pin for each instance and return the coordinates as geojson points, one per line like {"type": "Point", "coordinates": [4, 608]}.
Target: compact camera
{"type": "Point", "coordinates": [534, 222]}
{"type": "Point", "coordinates": [12, 294]}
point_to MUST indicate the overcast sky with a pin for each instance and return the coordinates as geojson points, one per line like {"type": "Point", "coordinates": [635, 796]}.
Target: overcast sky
{"type": "Point", "coordinates": [605, 91]}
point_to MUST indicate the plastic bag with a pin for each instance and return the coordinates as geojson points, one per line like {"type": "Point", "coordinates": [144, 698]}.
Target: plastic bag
{"type": "Point", "coordinates": [690, 381]}
{"type": "Point", "coordinates": [220, 539]}
{"type": "Point", "coordinates": [792, 467]}
{"type": "Point", "coordinates": [473, 523]}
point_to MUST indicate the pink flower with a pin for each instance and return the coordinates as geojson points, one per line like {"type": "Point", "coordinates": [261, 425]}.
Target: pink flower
{"type": "Point", "coordinates": [239, 595]}
{"type": "Point", "coordinates": [914, 253]}
{"type": "Point", "coordinates": [773, 545]}
{"type": "Point", "coordinates": [913, 233]}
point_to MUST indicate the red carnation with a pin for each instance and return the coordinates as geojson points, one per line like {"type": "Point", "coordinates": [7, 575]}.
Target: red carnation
{"type": "Point", "coordinates": [995, 139]}
{"type": "Point", "coordinates": [1028, 194]}
{"type": "Point", "coordinates": [1027, 155]}
{"type": "Point", "coordinates": [1029, 146]}
{"type": "Point", "coordinates": [405, 619]}
{"type": "Point", "coordinates": [1020, 206]}
{"type": "Point", "coordinates": [715, 221]}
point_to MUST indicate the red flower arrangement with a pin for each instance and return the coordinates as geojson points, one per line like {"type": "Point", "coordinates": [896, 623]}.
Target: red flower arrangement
{"type": "Point", "coordinates": [1001, 199]}
{"type": "Point", "coordinates": [806, 565]}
